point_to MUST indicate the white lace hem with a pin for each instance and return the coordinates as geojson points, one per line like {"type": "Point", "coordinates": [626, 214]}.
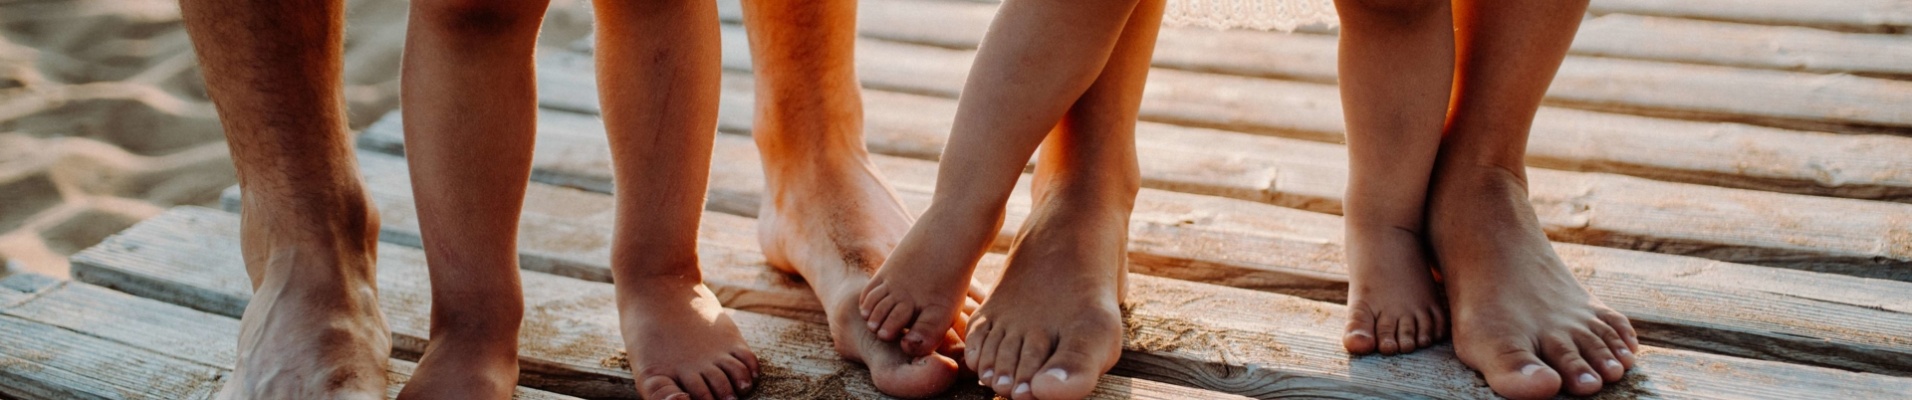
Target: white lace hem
{"type": "Point", "coordinates": [1267, 15]}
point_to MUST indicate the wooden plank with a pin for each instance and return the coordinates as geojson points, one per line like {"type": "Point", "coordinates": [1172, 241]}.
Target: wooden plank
{"type": "Point", "coordinates": [1260, 344]}
{"type": "Point", "coordinates": [569, 344]}
{"type": "Point", "coordinates": [1679, 300]}
{"type": "Point", "coordinates": [1657, 88]}
{"type": "Point", "coordinates": [1853, 15]}
{"type": "Point", "coordinates": [86, 341]}
{"type": "Point", "coordinates": [1851, 237]}
{"type": "Point", "coordinates": [1743, 45]}
{"type": "Point", "coordinates": [1712, 153]}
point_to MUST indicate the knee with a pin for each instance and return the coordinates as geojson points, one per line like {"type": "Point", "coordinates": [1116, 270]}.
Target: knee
{"type": "Point", "coordinates": [1388, 9]}
{"type": "Point", "coordinates": [479, 17]}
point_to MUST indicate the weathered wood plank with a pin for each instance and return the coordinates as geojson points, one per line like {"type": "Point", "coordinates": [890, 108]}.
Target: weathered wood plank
{"type": "Point", "coordinates": [1680, 300]}
{"type": "Point", "coordinates": [91, 342]}
{"type": "Point", "coordinates": [1854, 15]}
{"type": "Point", "coordinates": [569, 343]}
{"type": "Point", "coordinates": [1712, 153]}
{"type": "Point", "coordinates": [1743, 45]}
{"type": "Point", "coordinates": [1850, 237]}
{"type": "Point", "coordinates": [1656, 88]}
{"type": "Point", "coordinates": [1261, 344]}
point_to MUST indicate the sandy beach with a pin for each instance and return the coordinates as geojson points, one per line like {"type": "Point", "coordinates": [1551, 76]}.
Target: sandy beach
{"type": "Point", "coordinates": [104, 119]}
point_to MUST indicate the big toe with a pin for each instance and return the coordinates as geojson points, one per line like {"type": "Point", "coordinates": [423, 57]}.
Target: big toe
{"type": "Point", "coordinates": [926, 334]}
{"type": "Point", "coordinates": [1359, 338]}
{"type": "Point", "coordinates": [917, 377]}
{"type": "Point", "coordinates": [1072, 372]}
{"type": "Point", "coordinates": [1520, 375]}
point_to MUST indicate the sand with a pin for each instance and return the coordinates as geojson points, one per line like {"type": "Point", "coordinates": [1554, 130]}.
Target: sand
{"type": "Point", "coordinates": [104, 120]}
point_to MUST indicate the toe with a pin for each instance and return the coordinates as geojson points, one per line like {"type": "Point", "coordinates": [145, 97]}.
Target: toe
{"type": "Point", "coordinates": [1594, 348]}
{"type": "Point", "coordinates": [1564, 355]}
{"type": "Point", "coordinates": [1423, 330]}
{"type": "Point", "coordinates": [1439, 323]}
{"type": "Point", "coordinates": [926, 333]}
{"type": "Point", "coordinates": [1515, 372]}
{"type": "Point", "coordinates": [872, 295]}
{"type": "Point", "coordinates": [661, 387]}
{"type": "Point", "coordinates": [892, 325]}
{"type": "Point", "coordinates": [1384, 329]}
{"type": "Point", "coordinates": [1035, 352]}
{"type": "Point", "coordinates": [1004, 362]}
{"type": "Point", "coordinates": [1073, 368]}
{"type": "Point", "coordinates": [1360, 336]}
{"type": "Point", "coordinates": [720, 384]}
{"type": "Point", "coordinates": [982, 357]}
{"type": "Point", "coordinates": [1623, 328]}
{"type": "Point", "coordinates": [1406, 333]}
{"type": "Point", "coordinates": [740, 375]}
{"type": "Point", "coordinates": [750, 362]}
{"type": "Point", "coordinates": [693, 383]}
{"type": "Point", "coordinates": [977, 338]}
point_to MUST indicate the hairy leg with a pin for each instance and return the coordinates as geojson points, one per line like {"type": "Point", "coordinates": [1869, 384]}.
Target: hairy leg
{"type": "Point", "coordinates": [1054, 324]}
{"type": "Point", "coordinates": [470, 102]}
{"type": "Point", "coordinates": [1520, 317]}
{"type": "Point", "coordinates": [1018, 90]}
{"type": "Point", "coordinates": [827, 214]}
{"type": "Point", "coordinates": [313, 329]}
{"type": "Point", "coordinates": [658, 78]}
{"type": "Point", "coordinates": [1397, 74]}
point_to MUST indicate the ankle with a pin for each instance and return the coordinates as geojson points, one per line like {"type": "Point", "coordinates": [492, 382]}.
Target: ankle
{"type": "Point", "coordinates": [339, 213]}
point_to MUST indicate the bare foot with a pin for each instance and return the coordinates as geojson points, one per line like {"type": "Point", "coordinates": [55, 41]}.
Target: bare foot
{"type": "Point", "coordinates": [833, 221]}
{"type": "Point", "coordinates": [681, 342]}
{"type": "Point", "coordinates": [1394, 305]}
{"type": "Point", "coordinates": [921, 288]}
{"type": "Point", "coordinates": [1520, 317]}
{"type": "Point", "coordinates": [313, 329]}
{"type": "Point", "coordinates": [1054, 324]}
{"type": "Point", "coordinates": [466, 366]}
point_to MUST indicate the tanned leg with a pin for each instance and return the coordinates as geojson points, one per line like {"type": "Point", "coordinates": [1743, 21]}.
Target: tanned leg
{"type": "Point", "coordinates": [658, 79]}
{"type": "Point", "coordinates": [313, 329]}
{"type": "Point", "coordinates": [1017, 91]}
{"type": "Point", "coordinates": [1397, 73]}
{"type": "Point", "coordinates": [1520, 317]}
{"type": "Point", "coordinates": [1054, 324]}
{"type": "Point", "coordinates": [470, 102]}
{"type": "Point", "coordinates": [827, 214]}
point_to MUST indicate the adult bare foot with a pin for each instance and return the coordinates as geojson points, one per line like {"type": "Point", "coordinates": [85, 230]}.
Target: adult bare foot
{"type": "Point", "coordinates": [466, 365]}
{"type": "Point", "coordinates": [681, 342]}
{"type": "Point", "coordinates": [833, 220]}
{"type": "Point", "coordinates": [1394, 305]}
{"type": "Point", "coordinates": [313, 329]}
{"type": "Point", "coordinates": [1520, 317]}
{"type": "Point", "coordinates": [1054, 324]}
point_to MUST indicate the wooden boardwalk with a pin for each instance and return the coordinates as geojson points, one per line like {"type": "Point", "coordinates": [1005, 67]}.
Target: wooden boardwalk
{"type": "Point", "coordinates": [1736, 176]}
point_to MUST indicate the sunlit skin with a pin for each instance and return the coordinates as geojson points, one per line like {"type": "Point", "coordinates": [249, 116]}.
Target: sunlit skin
{"type": "Point", "coordinates": [1439, 98]}
{"type": "Point", "coordinates": [1052, 327]}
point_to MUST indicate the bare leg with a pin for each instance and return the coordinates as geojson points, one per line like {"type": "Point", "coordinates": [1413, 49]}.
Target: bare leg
{"type": "Point", "coordinates": [313, 329]}
{"type": "Point", "coordinates": [827, 214]}
{"type": "Point", "coordinates": [1054, 324]}
{"type": "Point", "coordinates": [470, 102]}
{"type": "Point", "coordinates": [1397, 73]}
{"type": "Point", "coordinates": [1520, 317]}
{"type": "Point", "coordinates": [1018, 90]}
{"type": "Point", "coordinates": [658, 78]}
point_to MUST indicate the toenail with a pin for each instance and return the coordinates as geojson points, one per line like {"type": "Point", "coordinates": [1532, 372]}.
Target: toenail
{"type": "Point", "coordinates": [1625, 352]}
{"type": "Point", "coordinates": [1002, 380]}
{"type": "Point", "coordinates": [988, 373]}
{"type": "Point", "coordinates": [882, 332]}
{"type": "Point", "coordinates": [1530, 369]}
{"type": "Point", "coordinates": [1614, 364]}
{"type": "Point", "coordinates": [1587, 377]}
{"type": "Point", "coordinates": [1360, 333]}
{"type": "Point", "coordinates": [1022, 388]}
{"type": "Point", "coordinates": [1058, 373]}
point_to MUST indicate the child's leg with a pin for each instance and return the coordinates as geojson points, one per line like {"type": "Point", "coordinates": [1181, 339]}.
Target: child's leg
{"type": "Point", "coordinates": [470, 116]}
{"type": "Point", "coordinates": [1397, 73]}
{"type": "Point", "coordinates": [1038, 59]}
{"type": "Point", "coordinates": [1054, 324]}
{"type": "Point", "coordinates": [827, 214]}
{"type": "Point", "coordinates": [658, 79]}
{"type": "Point", "coordinates": [1519, 316]}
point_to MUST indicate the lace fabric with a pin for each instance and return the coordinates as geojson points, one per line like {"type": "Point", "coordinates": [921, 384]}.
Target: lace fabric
{"type": "Point", "coordinates": [1267, 15]}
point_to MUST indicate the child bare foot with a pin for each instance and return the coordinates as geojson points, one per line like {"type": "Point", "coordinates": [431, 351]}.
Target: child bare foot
{"type": "Point", "coordinates": [833, 221]}
{"type": "Point", "coordinates": [681, 342]}
{"type": "Point", "coordinates": [313, 329]}
{"type": "Point", "coordinates": [1054, 325]}
{"type": "Point", "coordinates": [466, 365]}
{"type": "Point", "coordinates": [1394, 305]}
{"type": "Point", "coordinates": [920, 290]}
{"type": "Point", "coordinates": [1520, 317]}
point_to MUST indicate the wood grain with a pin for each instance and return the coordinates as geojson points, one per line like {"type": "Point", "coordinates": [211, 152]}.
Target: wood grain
{"type": "Point", "coordinates": [1744, 45]}
{"type": "Point", "coordinates": [73, 340]}
{"type": "Point", "coordinates": [1854, 15]}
